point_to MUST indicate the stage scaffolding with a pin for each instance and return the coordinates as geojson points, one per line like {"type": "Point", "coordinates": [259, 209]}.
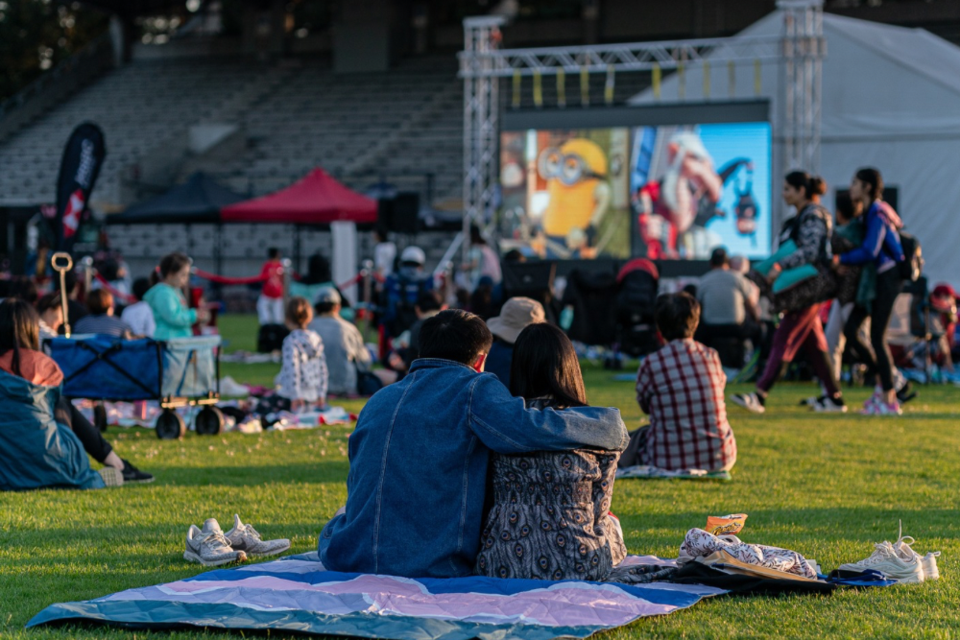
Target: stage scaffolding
{"type": "Point", "coordinates": [799, 50]}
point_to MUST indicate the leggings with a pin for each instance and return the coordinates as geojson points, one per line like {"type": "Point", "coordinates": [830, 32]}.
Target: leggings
{"type": "Point", "coordinates": [879, 361]}
{"type": "Point", "coordinates": [89, 436]}
{"type": "Point", "coordinates": [799, 329]}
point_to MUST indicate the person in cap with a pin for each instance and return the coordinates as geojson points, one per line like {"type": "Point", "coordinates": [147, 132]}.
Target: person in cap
{"type": "Point", "coordinates": [344, 348]}
{"type": "Point", "coordinates": [943, 303]}
{"type": "Point", "coordinates": [515, 316]}
{"type": "Point", "coordinates": [401, 291]}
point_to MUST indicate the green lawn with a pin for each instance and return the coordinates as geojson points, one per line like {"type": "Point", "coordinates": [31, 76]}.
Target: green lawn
{"type": "Point", "coordinates": [826, 486]}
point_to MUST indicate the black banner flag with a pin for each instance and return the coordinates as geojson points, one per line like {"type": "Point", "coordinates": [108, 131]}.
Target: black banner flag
{"type": "Point", "coordinates": [82, 160]}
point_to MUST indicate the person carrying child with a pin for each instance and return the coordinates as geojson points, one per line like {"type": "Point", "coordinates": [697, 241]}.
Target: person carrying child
{"type": "Point", "coordinates": [303, 376]}
{"type": "Point", "coordinates": [420, 454]}
{"type": "Point", "coordinates": [681, 388]}
{"type": "Point", "coordinates": [550, 518]}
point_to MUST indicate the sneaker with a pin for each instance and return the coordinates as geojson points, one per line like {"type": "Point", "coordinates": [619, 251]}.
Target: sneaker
{"type": "Point", "coordinates": [826, 404]}
{"type": "Point", "coordinates": [906, 393]}
{"type": "Point", "coordinates": [878, 407]}
{"type": "Point", "coordinates": [749, 401]}
{"type": "Point", "coordinates": [904, 549]}
{"type": "Point", "coordinates": [929, 562]}
{"type": "Point", "coordinates": [886, 560]}
{"type": "Point", "coordinates": [132, 474]}
{"type": "Point", "coordinates": [209, 546]}
{"type": "Point", "coordinates": [112, 477]}
{"type": "Point", "coordinates": [244, 537]}
{"type": "Point", "coordinates": [812, 400]}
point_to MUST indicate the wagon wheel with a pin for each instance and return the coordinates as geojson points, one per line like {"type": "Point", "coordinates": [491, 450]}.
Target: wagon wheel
{"type": "Point", "coordinates": [100, 417]}
{"type": "Point", "coordinates": [209, 422]}
{"type": "Point", "coordinates": [170, 425]}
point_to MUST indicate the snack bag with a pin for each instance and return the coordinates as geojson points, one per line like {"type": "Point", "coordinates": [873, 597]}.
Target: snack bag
{"type": "Point", "coordinates": [724, 525]}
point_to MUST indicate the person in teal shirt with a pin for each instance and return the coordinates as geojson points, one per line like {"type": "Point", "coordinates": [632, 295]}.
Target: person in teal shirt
{"type": "Point", "coordinates": [170, 312]}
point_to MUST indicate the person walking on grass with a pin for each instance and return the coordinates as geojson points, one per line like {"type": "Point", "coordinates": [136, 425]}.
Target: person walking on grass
{"type": "Point", "coordinates": [810, 230]}
{"type": "Point", "coordinates": [881, 247]}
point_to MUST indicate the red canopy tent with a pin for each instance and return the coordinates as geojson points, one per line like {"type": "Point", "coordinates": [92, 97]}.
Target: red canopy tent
{"type": "Point", "coordinates": [314, 199]}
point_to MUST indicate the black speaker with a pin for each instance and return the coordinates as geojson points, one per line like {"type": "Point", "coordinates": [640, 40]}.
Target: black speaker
{"type": "Point", "coordinates": [528, 279]}
{"type": "Point", "coordinates": [406, 212]}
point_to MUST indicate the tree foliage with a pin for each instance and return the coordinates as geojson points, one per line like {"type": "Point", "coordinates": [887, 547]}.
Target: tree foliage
{"type": "Point", "coordinates": [36, 35]}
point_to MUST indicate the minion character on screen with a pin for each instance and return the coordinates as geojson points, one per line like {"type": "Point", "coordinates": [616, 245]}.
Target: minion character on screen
{"type": "Point", "coordinates": [579, 196]}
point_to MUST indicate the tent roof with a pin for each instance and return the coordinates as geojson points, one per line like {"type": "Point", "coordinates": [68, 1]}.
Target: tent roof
{"type": "Point", "coordinates": [314, 199]}
{"type": "Point", "coordinates": [198, 200]}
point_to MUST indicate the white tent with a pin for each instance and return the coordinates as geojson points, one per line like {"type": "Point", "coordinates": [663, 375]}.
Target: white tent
{"type": "Point", "coordinates": [891, 99]}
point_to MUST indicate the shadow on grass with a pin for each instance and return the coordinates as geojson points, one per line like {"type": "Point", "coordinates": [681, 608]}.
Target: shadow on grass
{"type": "Point", "coordinates": [320, 472]}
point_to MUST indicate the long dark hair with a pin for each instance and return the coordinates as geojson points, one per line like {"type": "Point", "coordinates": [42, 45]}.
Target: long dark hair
{"type": "Point", "coordinates": [19, 329]}
{"type": "Point", "coordinates": [871, 177]}
{"type": "Point", "coordinates": [545, 365]}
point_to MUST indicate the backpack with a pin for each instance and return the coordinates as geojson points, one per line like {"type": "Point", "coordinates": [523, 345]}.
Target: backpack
{"type": "Point", "coordinates": [911, 267]}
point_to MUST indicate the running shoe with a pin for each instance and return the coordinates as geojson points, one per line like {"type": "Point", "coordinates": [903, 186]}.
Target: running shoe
{"type": "Point", "coordinates": [879, 407]}
{"type": "Point", "coordinates": [749, 401]}
{"type": "Point", "coordinates": [826, 404]}
{"type": "Point", "coordinates": [886, 560]}
{"type": "Point", "coordinates": [244, 538]}
{"type": "Point", "coordinates": [812, 400]}
{"type": "Point", "coordinates": [132, 474]}
{"type": "Point", "coordinates": [210, 547]}
{"type": "Point", "coordinates": [904, 549]}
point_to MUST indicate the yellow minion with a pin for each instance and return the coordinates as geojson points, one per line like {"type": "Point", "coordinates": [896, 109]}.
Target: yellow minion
{"type": "Point", "coordinates": [579, 195]}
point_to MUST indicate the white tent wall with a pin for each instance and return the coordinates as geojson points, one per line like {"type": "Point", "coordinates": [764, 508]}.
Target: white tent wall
{"type": "Point", "coordinates": [891, 99]}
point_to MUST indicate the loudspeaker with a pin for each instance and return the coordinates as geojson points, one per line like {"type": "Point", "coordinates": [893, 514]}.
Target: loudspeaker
{"type": "Point", "coordinates": [405, 216]}
{"type": "Point", "coordinates": [528, 279]}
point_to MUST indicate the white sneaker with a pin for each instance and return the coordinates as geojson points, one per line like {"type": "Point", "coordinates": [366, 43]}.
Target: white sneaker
{"type": "Point", "coordinates": [886, 560]}
{"type": "Point", "coordinates": [929, 562]}
{"type": "Point", "coordinates": [244, 538]}
{"type": "Point", "coordinates": [827, 404]}
{"type": "Point", "coordinates": [878, 407]}
{"type": "Point", "coordinates": [209, 546]}
{"type": "Point", "coordinates": [749, 401]}
{"type": "Point", "coordinates": [905, 551]}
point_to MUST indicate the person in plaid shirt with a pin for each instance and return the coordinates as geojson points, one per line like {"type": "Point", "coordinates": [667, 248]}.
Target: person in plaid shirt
{"type": "Point", "coordinates": [681, 388]}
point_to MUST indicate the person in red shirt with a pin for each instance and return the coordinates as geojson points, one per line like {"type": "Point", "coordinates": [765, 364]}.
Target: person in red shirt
{"type": "Point", "coordinates": [270, 303]}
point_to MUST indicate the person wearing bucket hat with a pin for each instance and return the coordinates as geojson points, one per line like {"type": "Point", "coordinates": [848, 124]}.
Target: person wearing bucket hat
{"type": "Point", "coordinates": [515, 316]}
{"type": "Point", "coordinates": [343, 344]}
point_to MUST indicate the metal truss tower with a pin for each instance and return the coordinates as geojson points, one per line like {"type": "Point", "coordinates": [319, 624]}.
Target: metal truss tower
{"type": "Point", "coordinates": [800, 49]}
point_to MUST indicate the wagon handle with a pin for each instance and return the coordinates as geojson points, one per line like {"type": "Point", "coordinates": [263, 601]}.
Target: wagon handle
{"type": "Point", "coordinates": [62, 262]}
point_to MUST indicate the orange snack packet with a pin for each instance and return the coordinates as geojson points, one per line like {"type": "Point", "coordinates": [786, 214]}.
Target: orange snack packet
{"type": "Point", "coordinates": [723, 525]}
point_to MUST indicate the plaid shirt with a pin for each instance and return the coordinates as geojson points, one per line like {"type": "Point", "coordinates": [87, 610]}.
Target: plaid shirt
{"type": "Point", "coordinates": [681, 387]}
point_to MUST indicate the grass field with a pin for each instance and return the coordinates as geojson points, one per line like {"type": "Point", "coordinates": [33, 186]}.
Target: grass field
{"type": "Point", "coordinates": [826, 486]}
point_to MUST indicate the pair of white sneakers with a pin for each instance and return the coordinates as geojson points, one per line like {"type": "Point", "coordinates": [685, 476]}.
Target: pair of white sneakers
{"type": "Point", "coordinates": [898, 561]}
{"type": "Point", "coordinates": [211, 547]}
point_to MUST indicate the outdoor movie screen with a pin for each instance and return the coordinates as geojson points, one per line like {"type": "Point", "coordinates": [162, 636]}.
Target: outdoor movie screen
{"type": "Point", "coordinates": [664, 192]}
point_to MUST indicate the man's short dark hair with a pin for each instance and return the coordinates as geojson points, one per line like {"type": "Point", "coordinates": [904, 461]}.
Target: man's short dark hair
{"type": "Point", "coordinates": [273, 253]}
{"type": "Point", "coordinates": [719, 257]}
{"type": "Point", "coordinates": [455, 335]}
{"type": "Point", "coordinates": [140, 287]}
{"type": "Point", "coordinates": [678, 315]}
{"type": "Point", "coordinates": [429, 301]}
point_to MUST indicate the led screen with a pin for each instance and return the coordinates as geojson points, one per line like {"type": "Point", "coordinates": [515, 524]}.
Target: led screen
{"type": "Point", "coordinates": [665, 192]}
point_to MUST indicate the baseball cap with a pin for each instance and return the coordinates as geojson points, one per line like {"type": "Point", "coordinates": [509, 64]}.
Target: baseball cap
{"type": "Point", "coordinates": [413, 254]}
{"type": "Point", "coordinates": [514, 317]}
{"type": "Point", "coordinates": [326, 295]}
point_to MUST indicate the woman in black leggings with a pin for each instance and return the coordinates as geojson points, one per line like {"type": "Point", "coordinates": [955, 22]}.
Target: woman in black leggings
{"type": "Point", "coordinates": [881, 247]}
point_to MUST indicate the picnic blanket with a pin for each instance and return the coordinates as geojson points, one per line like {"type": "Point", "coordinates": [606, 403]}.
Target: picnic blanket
{"type": "Point", "coordinates": [296, 594]}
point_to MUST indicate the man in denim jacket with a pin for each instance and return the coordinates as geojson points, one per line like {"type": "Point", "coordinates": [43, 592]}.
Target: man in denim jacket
{"type": "Point", "coordinates": [419, 454]}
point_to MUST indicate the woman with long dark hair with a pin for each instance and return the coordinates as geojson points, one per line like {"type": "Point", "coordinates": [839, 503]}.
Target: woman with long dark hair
{"type": "Point", "coordinates": [810, 230]}
{"type": "Point", "coordinates": [881, 247]}
{"type": "Point", "coordinates": [27, 368]}
{"type": "Point", "coordinates": [550, 515]}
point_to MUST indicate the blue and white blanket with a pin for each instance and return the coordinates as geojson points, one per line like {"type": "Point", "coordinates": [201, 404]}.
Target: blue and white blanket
{"type": "Point", "coordinates": [297, 594]}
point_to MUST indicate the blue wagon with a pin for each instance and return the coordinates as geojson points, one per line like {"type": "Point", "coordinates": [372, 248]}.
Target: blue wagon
{"type": "Point", "coordinates": [177, 373]}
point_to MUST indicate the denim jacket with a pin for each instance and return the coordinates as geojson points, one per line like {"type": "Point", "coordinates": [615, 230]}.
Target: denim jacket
{"type": "Point", "coordinates": [418, 468]}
